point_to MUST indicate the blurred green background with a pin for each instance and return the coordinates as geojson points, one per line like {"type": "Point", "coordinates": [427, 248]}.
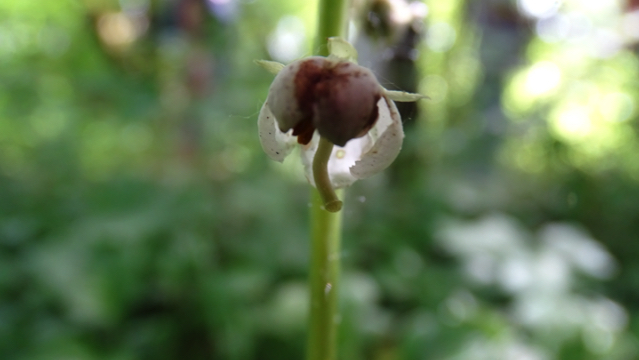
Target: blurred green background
{"type": "Point", "coordinates": [139, 218]}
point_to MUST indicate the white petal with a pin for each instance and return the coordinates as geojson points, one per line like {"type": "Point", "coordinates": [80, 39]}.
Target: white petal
{"type": "Point", "coordinates": [271, 66]}
{"type": "Point", "coordinates": [276, 144]}
{"type": "Point", "coordinates": [387, 146]}
{"type": "Point", "coordinates": [341, 49]}
{"type": "Point", "coordinates": [342, 159]}
{"type": "Point", "coordinates": [403, 96]}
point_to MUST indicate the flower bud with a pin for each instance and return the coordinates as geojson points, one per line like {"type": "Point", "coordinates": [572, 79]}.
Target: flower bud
{"type": "Point", "coordinates": [338, 98]}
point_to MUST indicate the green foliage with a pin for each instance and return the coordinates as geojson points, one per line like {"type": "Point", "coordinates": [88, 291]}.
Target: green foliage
{"type": "Point", "coordinates": [139, 218]}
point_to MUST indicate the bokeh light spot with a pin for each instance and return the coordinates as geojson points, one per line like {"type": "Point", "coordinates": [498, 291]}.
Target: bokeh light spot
{"type": "Point", "coordinates": [630, 24]}
{"type": "Point", "coordinates": [288, 41]}
{"type": "Point", "coordinates": [572, 122]}
{"type": "Point", "coordinates": [553, 29]}
{"type": "Point", "coordinates": [542, 78]}
{"type": "Point", "coordinates": [116, 29]}
{"type": "Point", "coordinates": [605, 43]}
{"type": "Point", "coordinates": [616, 107]}
{"type": "Point", "coordinates": [539, 8]}
{"type": "Point", "coordinates": [440, 37]}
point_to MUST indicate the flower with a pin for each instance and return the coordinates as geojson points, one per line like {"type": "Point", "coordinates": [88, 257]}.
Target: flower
{"type": "Point", "coordinates": [334, 99]}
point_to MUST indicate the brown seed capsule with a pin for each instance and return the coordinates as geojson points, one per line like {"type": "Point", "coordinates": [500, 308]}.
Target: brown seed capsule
{"type": "Point", "coordinates": [338, 98]}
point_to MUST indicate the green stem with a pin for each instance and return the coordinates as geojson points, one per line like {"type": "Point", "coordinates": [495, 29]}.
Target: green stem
{"type": "Point", "coordinates": [320, 174]}
{"type": "Point", "coordinates": [326, 226]}
{"type": "Point", "coordinates": [324, 280]}
{"type": "Point", "coordinates": [332, 22]}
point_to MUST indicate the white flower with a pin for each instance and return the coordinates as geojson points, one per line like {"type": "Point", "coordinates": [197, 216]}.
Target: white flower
{"type": "Point", "coordinates": [336, 99]}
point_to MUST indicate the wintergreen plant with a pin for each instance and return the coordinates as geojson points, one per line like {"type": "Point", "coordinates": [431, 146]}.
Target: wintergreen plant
{"type": "Point", "coordinates": [346, 123]}
{"type": "Point", "coordinates": [348, 128]}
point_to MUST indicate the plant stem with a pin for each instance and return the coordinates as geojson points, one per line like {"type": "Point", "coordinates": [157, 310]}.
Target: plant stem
{"type": "Point", "coordinates": [322, 181]}
{"type": "Point", "coordinates": [324, 280]}
{"type": "Point", "coordinates": [326, 227]}
{"type": "Point", "coordinates": [332, 22]}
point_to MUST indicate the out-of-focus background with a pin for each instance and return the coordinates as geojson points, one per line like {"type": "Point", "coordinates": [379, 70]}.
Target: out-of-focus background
{"type": "Point", "coordinates": [139, 218]}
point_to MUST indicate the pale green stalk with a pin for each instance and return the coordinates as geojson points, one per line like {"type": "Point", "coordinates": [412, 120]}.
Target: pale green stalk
{"type": "Point", "coordinates": [326, 218]}
{"type": "Point", "coordinates": [324, 318]}
{"type": "Point", "coordinates": [332, 22]}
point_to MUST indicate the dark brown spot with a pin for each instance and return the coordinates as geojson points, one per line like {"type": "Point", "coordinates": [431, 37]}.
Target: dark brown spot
{"type": "Point", "coordinates": [304, 131]}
